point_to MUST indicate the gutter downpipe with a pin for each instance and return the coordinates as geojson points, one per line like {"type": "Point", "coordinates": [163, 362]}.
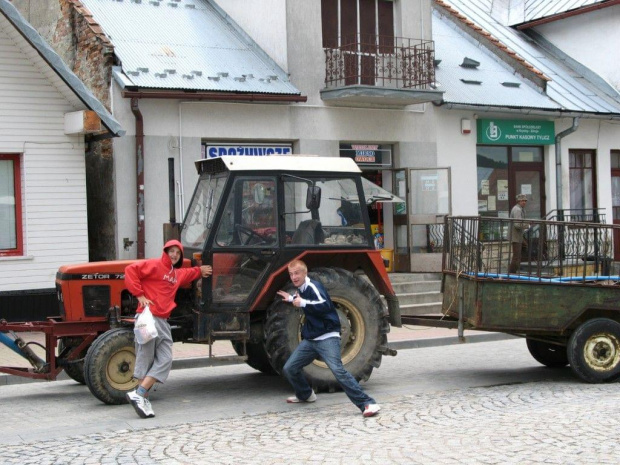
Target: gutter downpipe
{"type": "Point", "coordinates": [558, 165]}
{"type": "Point", "coordinates": [139, 175]}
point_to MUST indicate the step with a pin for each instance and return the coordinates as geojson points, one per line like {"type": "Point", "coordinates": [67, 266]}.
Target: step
{"type": "Point", "coordinates": [416, 286]}
{"type": "Point", "coordinates": [411, 298]}
{"type": "Point", "coordinates": [410, 277]}
{"type": "Point", "coordinates": [421, 309]}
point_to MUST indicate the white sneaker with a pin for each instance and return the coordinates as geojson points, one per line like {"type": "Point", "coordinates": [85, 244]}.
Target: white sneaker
{"type": "Point", "coordinates": [295, 400]}
{"type": "Point", "coordinates": [141, 405]}
{"type": "Point", "coordinates": [371, 410]}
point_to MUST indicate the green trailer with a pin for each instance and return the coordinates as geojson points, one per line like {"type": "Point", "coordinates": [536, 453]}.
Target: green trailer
{"type": "Point", "coordinates": [564, 299]}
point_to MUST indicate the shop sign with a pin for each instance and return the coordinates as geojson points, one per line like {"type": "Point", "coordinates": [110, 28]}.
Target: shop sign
{"type": "Point", "coordinates": [515, 132]}
{"type": "Point", "coordinates": [368, 154]}
{"type": "Point", "coordinates": [217, 150]}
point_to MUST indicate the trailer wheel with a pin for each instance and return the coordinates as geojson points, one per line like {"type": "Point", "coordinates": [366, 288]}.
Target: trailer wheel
{"type": "Point", "coordinates": [550, 355]}
{"type": "Point", "coordinates": [109, 364]}
{"type": "Point", "coordinates": [594, 350]}
{"type": "Point", "coordinates": [364, 328]}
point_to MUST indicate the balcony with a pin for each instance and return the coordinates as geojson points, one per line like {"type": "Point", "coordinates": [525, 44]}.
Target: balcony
{"type": "Point", "coordinates": [371, 70]}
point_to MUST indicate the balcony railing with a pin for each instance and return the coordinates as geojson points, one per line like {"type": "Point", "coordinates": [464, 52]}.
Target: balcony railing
{"type": "Point", "coordinates": [382, 61]}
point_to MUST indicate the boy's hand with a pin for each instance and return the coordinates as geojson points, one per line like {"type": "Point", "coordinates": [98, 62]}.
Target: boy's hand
{"type": "Point", "coordinates": [143, 301]}
{"type": "Point", "coordinates": [206, 271]}
{"type": "Point", "coordinates": [286, 297]}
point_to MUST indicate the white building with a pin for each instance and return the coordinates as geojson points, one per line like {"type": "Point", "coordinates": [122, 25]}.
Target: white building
{"type": "Point", "coordinates": [520, 116]}
{"type": "Point", "coordinates": [45, 112]}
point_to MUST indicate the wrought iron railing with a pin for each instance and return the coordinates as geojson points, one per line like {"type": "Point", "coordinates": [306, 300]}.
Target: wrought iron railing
{"type": "Point", "coordinates": [584, 215]}
{"type": "Point", "coordinates": [382, 61]}
{"type": "Point", "coordinates": [550, 250]}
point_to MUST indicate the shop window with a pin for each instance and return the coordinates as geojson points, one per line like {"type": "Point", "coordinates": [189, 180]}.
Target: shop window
{"type": "Point", "coordinates": [10, 206]}
{"type": "Point", "coordinates": [582, 180]}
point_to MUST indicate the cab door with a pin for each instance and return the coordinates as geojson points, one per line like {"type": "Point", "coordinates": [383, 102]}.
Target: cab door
{"type": "Point", "coordinates": [245, 242]}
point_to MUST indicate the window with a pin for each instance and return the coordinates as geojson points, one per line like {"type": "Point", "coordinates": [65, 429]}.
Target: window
{"type": "Point", "coordinates": [582, 180]}
{"type": "Point", "coordinates": [10, 206]}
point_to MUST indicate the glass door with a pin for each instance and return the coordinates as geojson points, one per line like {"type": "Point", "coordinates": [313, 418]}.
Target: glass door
{"type": "Point", "coordinates": [401, 228]}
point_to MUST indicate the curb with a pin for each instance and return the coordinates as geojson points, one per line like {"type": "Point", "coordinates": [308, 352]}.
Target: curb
{"type": "Point", "coordinates": [202, 362]}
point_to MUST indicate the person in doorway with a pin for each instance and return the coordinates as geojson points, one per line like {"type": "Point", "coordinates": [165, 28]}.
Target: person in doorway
{"type": "Point", "coordinates": [154, 283]}
{"type": "Point", "coordinates": [517, 229]}
{"type": "Point", "coordinates": [320, 338]}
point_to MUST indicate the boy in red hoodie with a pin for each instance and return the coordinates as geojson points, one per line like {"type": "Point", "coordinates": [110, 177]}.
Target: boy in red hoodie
{"type": "Point", "coordinates": [155, 282]}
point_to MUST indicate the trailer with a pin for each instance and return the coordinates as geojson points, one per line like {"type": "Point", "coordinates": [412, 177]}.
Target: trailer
{"type": "Point", "coordinates": [564, 300]}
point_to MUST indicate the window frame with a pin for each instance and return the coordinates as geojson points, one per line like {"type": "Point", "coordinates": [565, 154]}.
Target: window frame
{"type": "Point", "coordinates": [17, 194]}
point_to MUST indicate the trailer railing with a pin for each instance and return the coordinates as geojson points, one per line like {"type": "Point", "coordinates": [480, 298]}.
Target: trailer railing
{"type": "Point", "coordinates": [557, 251]}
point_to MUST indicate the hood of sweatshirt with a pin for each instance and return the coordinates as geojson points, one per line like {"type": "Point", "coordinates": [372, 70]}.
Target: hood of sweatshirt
{"type": "Point", "coordinates": [166, 259]}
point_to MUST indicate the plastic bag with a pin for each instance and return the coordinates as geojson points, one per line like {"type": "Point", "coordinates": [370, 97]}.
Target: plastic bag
{"type": "Point", "coordinates": [144, 327]}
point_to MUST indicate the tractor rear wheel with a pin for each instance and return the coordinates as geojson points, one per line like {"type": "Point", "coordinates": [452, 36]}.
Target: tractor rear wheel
{"type": "Point", "coordinates": [550, 355]}
{"type": "Point", "coordinates": [109, 364]}
{"type": "Point", "coordinates": [364, 328]}
{"type": "Point", "coordinates": [257, 356]}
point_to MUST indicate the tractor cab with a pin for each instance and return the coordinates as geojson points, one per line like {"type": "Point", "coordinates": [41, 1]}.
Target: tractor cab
{"type": "Point", "coordinates": [249, 216]}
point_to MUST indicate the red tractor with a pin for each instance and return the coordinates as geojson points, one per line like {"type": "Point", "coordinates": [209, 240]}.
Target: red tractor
{"type": "Point", "coordinates": [248, 218]}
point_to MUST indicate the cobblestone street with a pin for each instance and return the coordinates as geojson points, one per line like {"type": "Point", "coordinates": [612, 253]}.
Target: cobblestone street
{"type": "Point", "coordinates": [550, 418]}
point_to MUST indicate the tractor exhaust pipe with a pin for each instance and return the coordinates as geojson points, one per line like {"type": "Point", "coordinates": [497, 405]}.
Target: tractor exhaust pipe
{"type": "Point", "coordinates": [172, 230]}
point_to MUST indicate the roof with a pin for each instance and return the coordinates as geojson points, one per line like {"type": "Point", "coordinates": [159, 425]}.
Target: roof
{"type": "Point", "coordinates": [492, 83]}
{"type": "Point", "coordinates": [185, 45]}
{"type": "Point", "coordinates": [538, 9]}
{"type": "Point", "coordinates": [279, 163]}
{"type": "Point", "coordinates": [567, 87]}
{"type": "Point", "coordinates": [77, 87]}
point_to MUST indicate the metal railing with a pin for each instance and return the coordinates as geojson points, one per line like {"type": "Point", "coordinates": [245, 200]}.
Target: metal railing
{"type": "Point", "coordinates": [382, 61]}
{"type": "Point", "coordinates": [584, 215]}
{"type": "Point", "coordinates": [550, 250]}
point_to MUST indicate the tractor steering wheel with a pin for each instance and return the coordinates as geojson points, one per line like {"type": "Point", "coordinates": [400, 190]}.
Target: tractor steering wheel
{"type": "Point", "coordinates": [251, 234]}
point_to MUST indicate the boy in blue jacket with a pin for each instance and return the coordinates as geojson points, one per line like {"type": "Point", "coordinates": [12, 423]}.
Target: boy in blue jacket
{"type": "Point", "coordinates": [320, 337]}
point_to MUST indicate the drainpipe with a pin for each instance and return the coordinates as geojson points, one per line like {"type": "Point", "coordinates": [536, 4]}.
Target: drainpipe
{"type": "Point", "coordinates": [139, 174]}
{"type": "Point", "coordinates": [558, 165]}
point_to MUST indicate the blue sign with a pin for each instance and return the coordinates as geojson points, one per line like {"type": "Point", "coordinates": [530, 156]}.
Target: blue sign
{"type": "Point", "coordinates": [214, 151]}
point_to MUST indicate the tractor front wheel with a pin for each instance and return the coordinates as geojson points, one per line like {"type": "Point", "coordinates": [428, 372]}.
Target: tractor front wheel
{"type": "Point", "coordinates": [363, 335]}
{"type": "Point", "coordinates": [109, 364]}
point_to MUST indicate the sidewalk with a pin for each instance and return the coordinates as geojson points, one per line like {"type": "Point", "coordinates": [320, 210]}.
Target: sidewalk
{"type": "Point", "coordinates": [196, 355]}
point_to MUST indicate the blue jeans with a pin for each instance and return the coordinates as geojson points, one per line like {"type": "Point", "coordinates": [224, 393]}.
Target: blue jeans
{"type": "Point", "coordinates": [329, 351]}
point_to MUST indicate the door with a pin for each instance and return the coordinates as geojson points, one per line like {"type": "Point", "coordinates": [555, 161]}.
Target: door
{"type": "Point", "coordinates": [401, 228]}
{"type": "Point", "coordinates": [530, 182]}
{"type": "Point", "coordinates": [615, 198]}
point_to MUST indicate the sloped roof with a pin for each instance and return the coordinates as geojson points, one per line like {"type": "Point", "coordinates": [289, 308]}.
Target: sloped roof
{"type": "Point", "coordinates": [538, 9]}
{"type": "Point", "coordinates": [493, 83]}
{"type": "Point", "coordinates": [185, 45]}
{"type": "Point", "coordinates": [65, 75]}
{"type": "Point", "coordinates": [571, 88]}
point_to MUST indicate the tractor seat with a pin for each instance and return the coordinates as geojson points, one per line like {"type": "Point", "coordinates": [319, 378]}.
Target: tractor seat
{"type": "Point", "coordinates": [309, 232]}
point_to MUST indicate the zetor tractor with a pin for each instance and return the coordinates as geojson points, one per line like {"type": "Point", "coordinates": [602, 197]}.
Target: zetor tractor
{"type": "Point", "coordinates": [248, 218]}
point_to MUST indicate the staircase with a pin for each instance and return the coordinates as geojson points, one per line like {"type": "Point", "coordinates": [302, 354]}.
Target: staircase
{"type": "Point", "coordinates": [418, 293]}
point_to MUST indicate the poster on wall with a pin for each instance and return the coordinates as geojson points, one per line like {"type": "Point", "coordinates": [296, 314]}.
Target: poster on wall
{"type": "Point", "coordinates": [484, 187]}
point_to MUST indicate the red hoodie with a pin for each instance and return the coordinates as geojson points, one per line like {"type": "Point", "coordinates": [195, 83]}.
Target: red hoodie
{"type": "Point", "coordinates": [158, 280]}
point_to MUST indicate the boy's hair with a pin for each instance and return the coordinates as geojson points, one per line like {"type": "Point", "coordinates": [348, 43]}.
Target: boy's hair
{"type": "Point", "coordinates": [297, 263]}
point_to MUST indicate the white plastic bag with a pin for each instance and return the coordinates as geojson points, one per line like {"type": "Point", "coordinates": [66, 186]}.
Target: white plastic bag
{"type": "Point", "coordinates": [144, 327]}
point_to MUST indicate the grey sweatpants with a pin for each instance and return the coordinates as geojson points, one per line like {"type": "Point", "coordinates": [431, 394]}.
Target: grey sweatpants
{"type": "Point", "coordinates": [155, 357]}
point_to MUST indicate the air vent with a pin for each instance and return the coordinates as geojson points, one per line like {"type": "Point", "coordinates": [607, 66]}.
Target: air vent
{"type": "Point", "coordinates": [511, 84]}
{"type": "Point", "coordinates": [436, 62]}
{"type": "Point", "coordinates": [469, 81]}
{"type": "Point", "coordinates": [469, 63]}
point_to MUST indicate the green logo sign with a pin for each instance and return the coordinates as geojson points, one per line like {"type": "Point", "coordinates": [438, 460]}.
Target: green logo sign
{"type": "Point", "coordinates": [515, 132]}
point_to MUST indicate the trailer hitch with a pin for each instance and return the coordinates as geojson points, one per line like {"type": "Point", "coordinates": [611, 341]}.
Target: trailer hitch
{"type": "Point", "coordinates": [385, 350]}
